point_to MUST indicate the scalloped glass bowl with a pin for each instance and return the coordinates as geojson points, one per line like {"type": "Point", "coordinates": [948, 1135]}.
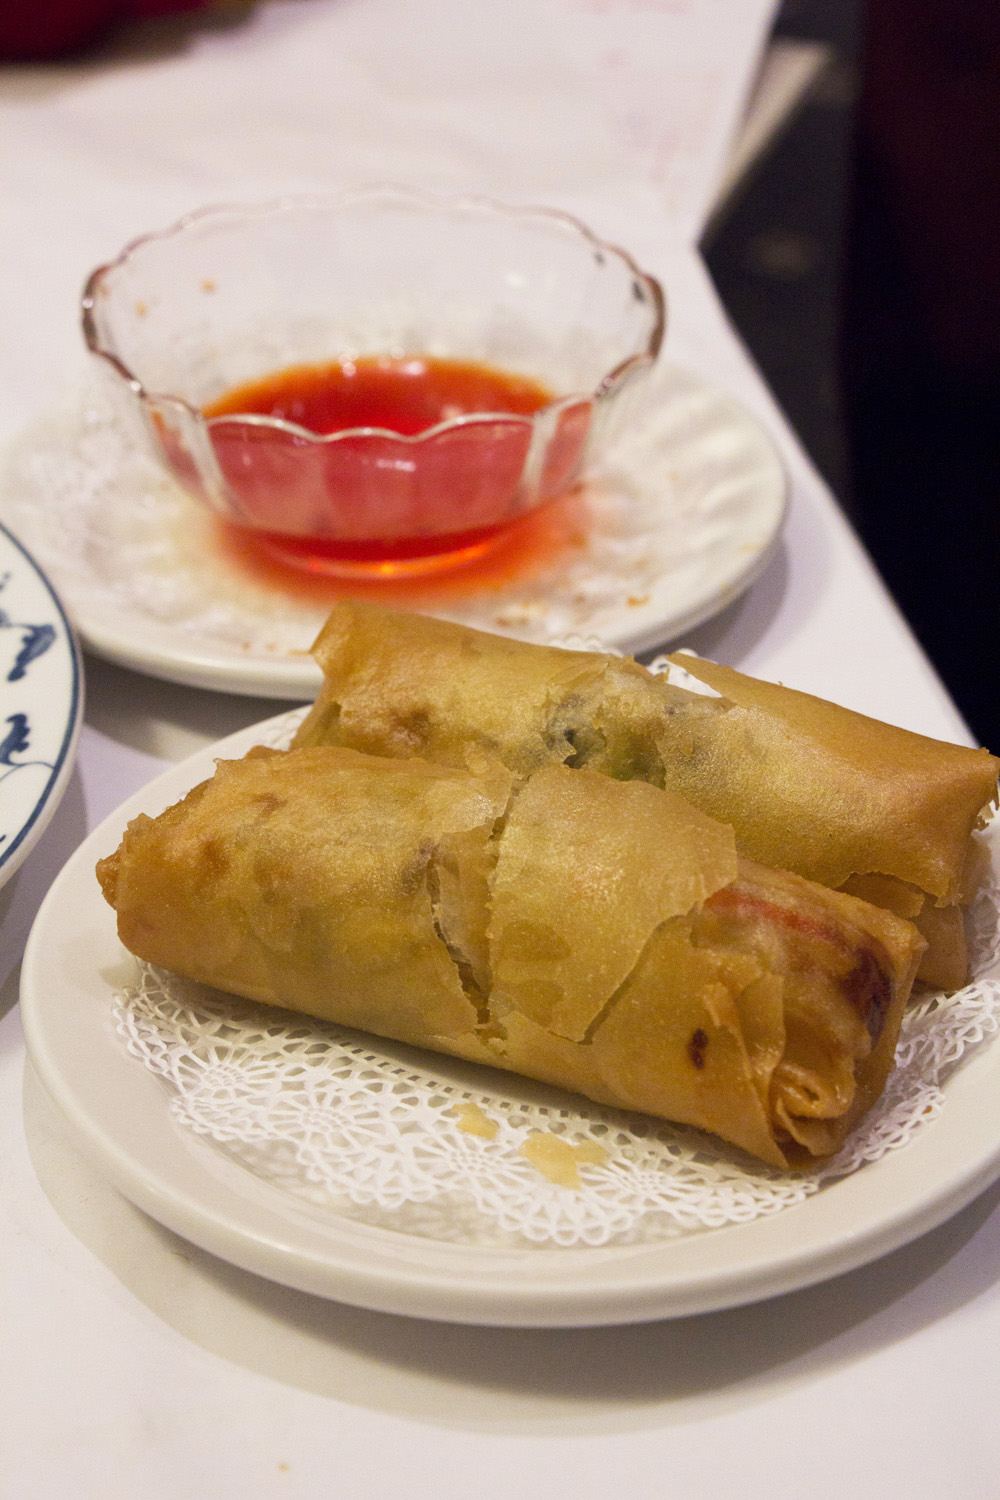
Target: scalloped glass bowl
{"type": "Point", "coordinates": [233, 294]}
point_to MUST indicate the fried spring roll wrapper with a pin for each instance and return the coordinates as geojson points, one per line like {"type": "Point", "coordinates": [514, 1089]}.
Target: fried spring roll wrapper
{"type": "Point", "coordinates": [890, 801]}
{"type": "Point", "coordinates": [598, 935]}
{"type": "Point", "coordinates": [809, 786]}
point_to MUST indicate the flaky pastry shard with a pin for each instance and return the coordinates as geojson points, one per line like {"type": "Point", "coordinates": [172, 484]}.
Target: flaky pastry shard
{"type": "Point", "coordinates": [599, 935]}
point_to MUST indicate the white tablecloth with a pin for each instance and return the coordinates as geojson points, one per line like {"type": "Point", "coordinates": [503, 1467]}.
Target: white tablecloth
{"type": "Point", "coordinates": [130, 1362]}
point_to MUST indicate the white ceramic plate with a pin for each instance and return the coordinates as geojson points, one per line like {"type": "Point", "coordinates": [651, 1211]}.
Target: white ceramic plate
{"type": "Point", "coordinates": [684, 513]}
{"type": "Point", "coordinates": [74, 964]}
{"type": "Point", "coordinates": [40, 703]}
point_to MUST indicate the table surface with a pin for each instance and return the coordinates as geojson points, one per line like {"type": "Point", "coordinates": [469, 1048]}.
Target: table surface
{"type": "Point", "coordinates": [134, 1364]}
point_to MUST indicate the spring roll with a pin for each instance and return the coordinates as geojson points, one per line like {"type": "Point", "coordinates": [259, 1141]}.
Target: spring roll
{"type": "Point", "coordinates": [809, 786]}
{"type": "Point", "coordinates": [599, 935]}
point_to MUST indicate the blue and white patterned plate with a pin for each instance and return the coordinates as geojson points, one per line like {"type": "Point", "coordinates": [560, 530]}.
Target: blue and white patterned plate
{"type": "Point", "coordinates": [40, 703]}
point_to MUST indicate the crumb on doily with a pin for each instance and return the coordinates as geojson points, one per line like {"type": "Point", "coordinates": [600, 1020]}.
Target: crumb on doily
{"type": "Point", "coordinates": [474, 1121]}
{"type": "Point", "coordinates": [525, 612]}
{"type": "Point", "coordinates": [560, 1160]}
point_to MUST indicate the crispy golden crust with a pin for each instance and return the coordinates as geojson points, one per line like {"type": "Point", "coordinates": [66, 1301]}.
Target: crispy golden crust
{"type": "Point", "coordinates": [598, 935]}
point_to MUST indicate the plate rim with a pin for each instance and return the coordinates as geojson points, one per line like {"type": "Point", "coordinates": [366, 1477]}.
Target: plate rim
{"type": "Point", "coordinates": [640, 629]}
{"type": "Point", "coordinates": [17, 850]}
{"type": "Point", "coordinates": [816, 1240]}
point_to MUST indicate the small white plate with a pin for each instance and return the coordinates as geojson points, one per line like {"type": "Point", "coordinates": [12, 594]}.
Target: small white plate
{"type": "Point", "coordinates": [73, 966]}
{"type": "Point", "coordinates": [683, 514]}
{"type": "Point", "coordinates": [40, 703]}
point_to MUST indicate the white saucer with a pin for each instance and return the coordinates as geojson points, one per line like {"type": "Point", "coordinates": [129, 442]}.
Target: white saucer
{"type": "Point", "coordinates": [40, 703]}
{"type": "Point", "coordinates": [683, 514]}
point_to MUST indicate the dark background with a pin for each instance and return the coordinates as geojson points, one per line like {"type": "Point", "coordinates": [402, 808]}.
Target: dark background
{"type": "Point", "coordinates": [861, 264]}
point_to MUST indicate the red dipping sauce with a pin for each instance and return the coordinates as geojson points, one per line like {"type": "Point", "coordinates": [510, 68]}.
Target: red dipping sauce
{"type": "Point", "coordinates": [381, 498]}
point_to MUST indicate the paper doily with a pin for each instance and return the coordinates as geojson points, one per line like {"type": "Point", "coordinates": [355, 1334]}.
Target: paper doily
{"type": "Point", "coordinates": [398, 1139]}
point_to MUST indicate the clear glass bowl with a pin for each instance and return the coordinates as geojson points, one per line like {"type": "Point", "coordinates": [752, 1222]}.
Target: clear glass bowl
{"type": "Point", "coordinates": [233, 294]}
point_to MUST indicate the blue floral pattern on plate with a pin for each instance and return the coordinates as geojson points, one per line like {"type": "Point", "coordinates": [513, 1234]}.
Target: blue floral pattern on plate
{"type": "Point", "coordinates": [40, 702]}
